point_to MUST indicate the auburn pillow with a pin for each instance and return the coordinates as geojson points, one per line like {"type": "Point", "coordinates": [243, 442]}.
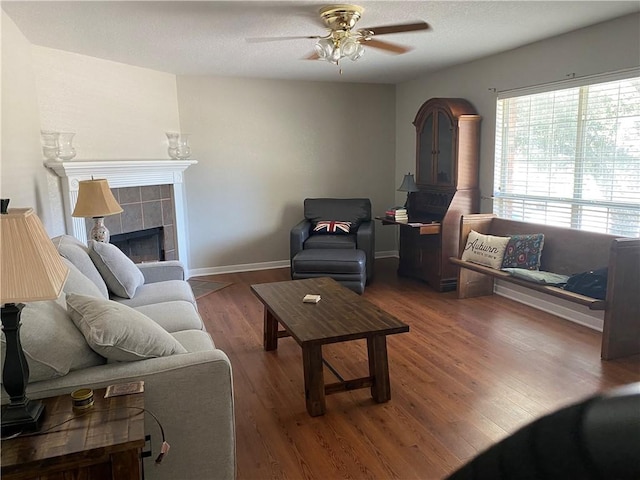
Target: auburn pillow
{"type": "Point", "coordinates": [332, 227]}
{"type": "Point", "coordinates": [485, 250]}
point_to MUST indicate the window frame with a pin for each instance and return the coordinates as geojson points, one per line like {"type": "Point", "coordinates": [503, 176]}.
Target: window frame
{"type": "Point", "coordinates": [577, 205]}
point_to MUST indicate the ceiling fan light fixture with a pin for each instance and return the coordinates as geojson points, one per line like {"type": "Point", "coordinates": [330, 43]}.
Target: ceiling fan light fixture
{"type": "Point", "coordinates": [336, 55]}
{"type": "Point", "coordinates": [324, 48]}
{"type": "Point", "coordinates": [358, 53]}
{"type": "Point", "coordinates": [349, 47]}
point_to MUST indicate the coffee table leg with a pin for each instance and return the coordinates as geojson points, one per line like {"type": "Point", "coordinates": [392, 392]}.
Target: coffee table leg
{"type": "Point", "coordinates": [379, 368]}
{"type": "Point", "coordinates": [270, 339]}
{"type": "Point", "coordinates": [313, 379]}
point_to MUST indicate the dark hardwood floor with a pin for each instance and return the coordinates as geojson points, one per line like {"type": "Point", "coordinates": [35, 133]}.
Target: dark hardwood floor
{"type": "Point", "coordinates": [468, 373]}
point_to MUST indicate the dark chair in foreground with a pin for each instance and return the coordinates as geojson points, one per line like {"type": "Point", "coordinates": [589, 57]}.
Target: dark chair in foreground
{"type": "Point", "coordinates": [336, 239]}
{"type": "Point", "coordinates": [595, 439]}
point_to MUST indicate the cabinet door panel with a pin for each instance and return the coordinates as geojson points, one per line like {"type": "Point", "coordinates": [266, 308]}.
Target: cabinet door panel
{"type": "Point", "coordinates": [425, 152]}
{"type": "Point", "coordinates": [445, 158]}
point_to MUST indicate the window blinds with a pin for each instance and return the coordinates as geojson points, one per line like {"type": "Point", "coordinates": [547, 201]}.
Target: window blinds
{"type": "Point", "coordinates": [571, 157]}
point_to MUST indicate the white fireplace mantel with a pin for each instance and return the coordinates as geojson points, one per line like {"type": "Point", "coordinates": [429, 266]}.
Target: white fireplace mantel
{"type": "Point", "coordinates": [124, 173]}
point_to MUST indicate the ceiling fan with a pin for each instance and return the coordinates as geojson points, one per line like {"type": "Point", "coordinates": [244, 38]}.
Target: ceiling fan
{"type": "Point", "coordinates": [343, 41]}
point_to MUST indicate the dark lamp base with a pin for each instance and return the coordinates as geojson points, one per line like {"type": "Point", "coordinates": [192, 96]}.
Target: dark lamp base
{"type": "Point", "coordinates": [22, 418]}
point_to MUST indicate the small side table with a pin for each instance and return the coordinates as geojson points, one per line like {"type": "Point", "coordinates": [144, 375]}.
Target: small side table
{"type": "Point", "coordinates": [103, 444]}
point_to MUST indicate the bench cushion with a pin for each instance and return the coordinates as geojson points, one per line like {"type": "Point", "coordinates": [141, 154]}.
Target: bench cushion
{"type": "Point", "coordinates": [546, 278]}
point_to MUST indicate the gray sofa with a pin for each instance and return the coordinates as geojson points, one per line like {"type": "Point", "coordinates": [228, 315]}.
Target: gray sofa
{"type": "Point", "coordinates": [188, 386]}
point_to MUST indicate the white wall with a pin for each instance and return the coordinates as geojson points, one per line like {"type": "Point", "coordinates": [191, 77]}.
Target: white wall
{"type": "Point", "coordinates": [263, 146]}
{"type": "Point", "coordinates": [118, 111]}
{"type": "Point", "coordinates": [23, 179]}
{"type": "Point", "coordinates": [605, 47]}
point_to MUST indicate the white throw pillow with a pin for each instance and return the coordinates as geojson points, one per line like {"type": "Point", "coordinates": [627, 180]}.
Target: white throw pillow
{"type": "Point", "coordinates": [119, 332]}
{"type": "Point", "coordinates": [118, 271]}
{"type": "Point", "coordinates": [485, 249]}
{"type": "Point", "coordinates": [51, 342]}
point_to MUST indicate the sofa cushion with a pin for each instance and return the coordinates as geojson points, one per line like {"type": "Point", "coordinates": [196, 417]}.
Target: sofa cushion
{"type": "Point", "coordinates": [167, 291]}
{"type": "Point", "coordinates": [77, 253]}
{"type": "Point", "coordinates": [173, 316]}
{"type": "Point", "coordinates": [485, 249]}
{"type": "Point", "coordinates": [524, 251]}
{"type": "Point", "coordinates": [194, 340]}
{"type": "Point", "coordinates": [118, 332]}
{"type": "Point", "coordinates": [51, 342]}
{"type": "Point", "coordinates": [79, 283]}
{"type": "Point", "coordinates": [118, 271]}
{"type": "Point", "coordinates": [330, 241]}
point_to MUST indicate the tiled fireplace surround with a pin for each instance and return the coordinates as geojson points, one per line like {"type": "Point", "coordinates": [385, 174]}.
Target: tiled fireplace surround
{"type": "Point", "coordinates": [144, 207]}
{"type": "Point", "coordinates": [150, 192]}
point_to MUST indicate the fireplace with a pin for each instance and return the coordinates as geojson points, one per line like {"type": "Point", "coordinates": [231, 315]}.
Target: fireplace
{"type": "Point", "coordinates": [151, 193]}
{"type": "Point", "coordinates": [142, 245]}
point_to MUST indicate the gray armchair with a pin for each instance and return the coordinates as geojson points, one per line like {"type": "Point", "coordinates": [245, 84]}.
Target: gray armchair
{"type": "Point", "coordinates": [354, 210]}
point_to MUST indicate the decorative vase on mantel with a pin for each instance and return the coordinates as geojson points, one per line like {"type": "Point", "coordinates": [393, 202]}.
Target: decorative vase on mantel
{"type": "Point", "coordinates": [49, 145]}
{"type": "Point", "coordinates": [178, 145]}
{"type": "Point", "coordinates": [57, 145]}
{"type": "Point", "coordinates": [65, 150]}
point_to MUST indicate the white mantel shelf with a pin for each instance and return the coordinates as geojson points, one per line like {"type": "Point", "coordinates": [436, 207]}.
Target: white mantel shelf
{"type": "Point", "coordinates": [125, 173]}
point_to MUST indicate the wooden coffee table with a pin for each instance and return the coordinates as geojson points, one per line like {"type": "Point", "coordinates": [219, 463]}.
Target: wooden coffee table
{"type": "Point", "coordinates": [340, 316]}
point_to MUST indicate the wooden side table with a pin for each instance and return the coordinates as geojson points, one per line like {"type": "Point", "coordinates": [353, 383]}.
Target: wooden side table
{"type": "Point", "coordinates": [103, 444]}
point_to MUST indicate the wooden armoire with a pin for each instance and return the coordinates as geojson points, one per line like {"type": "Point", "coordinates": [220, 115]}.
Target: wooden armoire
{"type": "Point", "coordinates": [447, 165]}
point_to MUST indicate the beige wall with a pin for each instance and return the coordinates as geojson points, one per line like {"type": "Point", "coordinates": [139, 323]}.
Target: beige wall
{"type": "Point", "coordinates": [605, 47]}
{"type": "Point", "coordinates": [22, 176]}
{"type": "Point", "coordinates": [117, 111]}
{"type": "Point", "coordinates": [265, 145]}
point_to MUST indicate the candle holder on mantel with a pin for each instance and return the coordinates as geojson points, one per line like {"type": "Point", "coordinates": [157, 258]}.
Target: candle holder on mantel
{"type": "Point", "coordinates": [178, 145]}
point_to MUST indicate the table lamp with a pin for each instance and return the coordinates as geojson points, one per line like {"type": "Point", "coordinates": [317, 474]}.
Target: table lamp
{"type": "Point", "coordinates": [96, 200]}
{"type": "Point", "coordinates": [32, 270]}
{"type": "Point", "coordinates": [408, 185]}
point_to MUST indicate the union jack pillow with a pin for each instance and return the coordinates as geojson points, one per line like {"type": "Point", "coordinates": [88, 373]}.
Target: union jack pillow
{"type": "Point", "coordinates": [332, 227]}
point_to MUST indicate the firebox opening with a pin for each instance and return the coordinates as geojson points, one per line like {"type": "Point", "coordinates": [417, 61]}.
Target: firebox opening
{"type": "Point", "coordinates": [142, 245]}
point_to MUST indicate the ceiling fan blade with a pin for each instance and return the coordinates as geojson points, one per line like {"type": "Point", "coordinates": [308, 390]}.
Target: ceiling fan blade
{"type": "Point", "coordinates": [389, 47]}
{"type": "Point", "coordinates": [406, 27]}
{"type": "Point", "coordinates": [277, 39]}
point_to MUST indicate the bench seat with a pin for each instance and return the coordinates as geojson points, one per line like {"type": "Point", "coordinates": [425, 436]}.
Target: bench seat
{"type": "Point", "coordinates": [567, 251]}
{"type": "Point", "coordinates": [592, 303]}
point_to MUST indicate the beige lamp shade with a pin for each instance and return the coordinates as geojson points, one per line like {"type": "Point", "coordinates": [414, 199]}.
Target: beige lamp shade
{"type": "Point", "coordinates": [95, 200]}
{"type": "Point", "coordinates": [31, 268]}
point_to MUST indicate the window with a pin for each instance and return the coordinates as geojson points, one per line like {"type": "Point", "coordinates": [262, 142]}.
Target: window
{"type": "Point", "coordinates": [571, 157]}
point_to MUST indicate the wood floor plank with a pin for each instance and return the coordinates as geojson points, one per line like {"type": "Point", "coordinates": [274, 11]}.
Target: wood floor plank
{"type": "Point", "coordinates": [467, 374]}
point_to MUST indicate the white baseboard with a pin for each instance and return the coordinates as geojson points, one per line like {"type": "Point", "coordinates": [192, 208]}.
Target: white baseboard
{"type": "Point", "coordinates": [248, 267]}
{"type": "Point", "coordinates": [245, 267]}
{"type": "Point", "coordinates": [573, 312]}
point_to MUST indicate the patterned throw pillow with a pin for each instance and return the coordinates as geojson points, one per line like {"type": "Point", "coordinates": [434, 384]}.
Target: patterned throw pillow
{"type": "Point", "coordinates": [524, 251]}
{"type": "Point", "coordinates": [332, 227]}
{"type": "Point", "coordinates": [485, 250]}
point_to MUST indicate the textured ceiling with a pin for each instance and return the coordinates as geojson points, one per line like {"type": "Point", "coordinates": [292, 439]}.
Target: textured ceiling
{"type": "Point", "coordinates": [209, 38]}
